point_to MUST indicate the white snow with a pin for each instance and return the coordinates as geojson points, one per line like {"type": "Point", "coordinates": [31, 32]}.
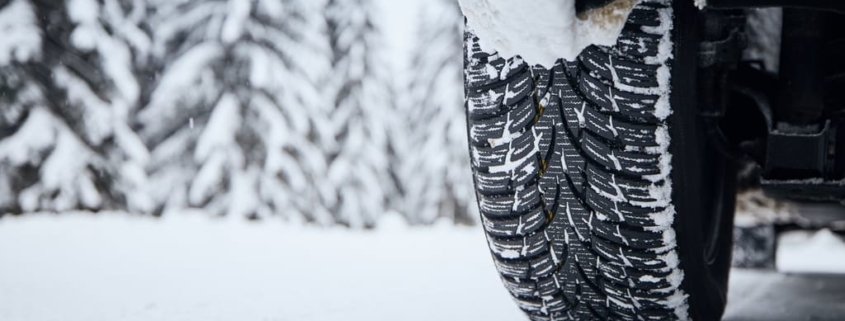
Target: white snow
{"type": "Point", "coordinates": [810, 252]}
{"type": "Point", "coordinates": [754, 208]}
{"type": "Point", "coordinates": [233, 27]}
{"type": "Point", "coordinates": [542, 31]}
{"type": "Point", "coordinates": [113, 266]}
{"type": "Point", "coordinates": [36, 135]}
{"type": "Point", "coordinates": [116, 62]}
{"type": "Point", "coordinates": [763, 29]}
{"type": "Point", "coordinates": [64, 171]}
{"type": "Point", "coordinates": [400, 19]}
{"type": "Point", "coordinates": [220, 131]}
{"type": "Point", "coordinates": [98, 114]}
{"type": "Point", "coordinates": [83, 11]}
{"type": "Point", "coordinates": [772, 296]}
{"type": "Point", "coordinates": [435, 171]}
{"type": "Point", "coordinates": [21, 40]}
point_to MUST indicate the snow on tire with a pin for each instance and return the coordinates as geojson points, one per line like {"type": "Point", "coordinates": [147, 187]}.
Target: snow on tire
{"type": "Point", "coordinates": [571, 166]}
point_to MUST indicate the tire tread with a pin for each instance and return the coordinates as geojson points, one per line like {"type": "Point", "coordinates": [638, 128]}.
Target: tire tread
{"type": "Point", "coordinates": [566, 174]}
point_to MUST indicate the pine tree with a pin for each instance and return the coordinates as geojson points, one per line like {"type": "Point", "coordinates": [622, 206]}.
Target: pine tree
{"type": "Point", "coordinates": [71, 144]}
{"type": "Point", "coordinates": [19, 95]}
{"type": "Point", "coordinates": [236, 120]}
{"type": "Point", "coordinates": [360, 167]}
{"type": "Point", "coordinates": [436, 174]}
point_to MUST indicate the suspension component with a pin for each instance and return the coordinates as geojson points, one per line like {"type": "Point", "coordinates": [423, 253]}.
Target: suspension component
{"type": "Point", "coordinates": [794, 131]}
{"type": "Point", "coordinates": [801, 160]}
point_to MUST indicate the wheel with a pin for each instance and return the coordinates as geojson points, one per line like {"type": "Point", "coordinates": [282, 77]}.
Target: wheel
{"type": "Point", "coordinates": [599, 194]}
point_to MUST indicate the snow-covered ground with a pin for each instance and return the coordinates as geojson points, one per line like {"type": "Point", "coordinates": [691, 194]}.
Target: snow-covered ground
{"type": "Point", "coordinates": [770, 296]}
{"type": "Point", "coordinates": [187, 267]}
{"type": "Point", "coordinates": [113, 266]}
{"type": "Point", "coordinates": [811, 252]}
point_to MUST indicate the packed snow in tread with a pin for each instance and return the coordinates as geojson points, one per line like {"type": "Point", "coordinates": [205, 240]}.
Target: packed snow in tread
{"type": "Point", "coordinates": [556, 31]}
{"type": "Point", "coordinates": [597, 142]}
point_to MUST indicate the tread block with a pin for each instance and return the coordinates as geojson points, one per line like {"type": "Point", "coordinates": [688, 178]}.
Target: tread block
{"type": "Point", "coordinates": [483, 69]}
{"type": "Point", "coordinates": [612, 100]}
{"type": "Point", "coordinates": [542, 79]}
{"type": "Point", "coordinates": [512, 268]}
{"type": "Point", "coordinates": [521, 225]}
{"type": "Point", "coordinates": [523, 146]}
{"type": "Point", "coordinates": [574, 163]}
{"type": "Point", "coordinates": [519, 88]}
{"type": "Point", "coordinates": [497, 205]}
{"type": "Point", "coordinates": [528, 199]}
{"type": "Point", "coordinates": [623, 189]}
{"type": "Point", "coordinates": [635, 278]}
{"type": "Point", "coordinates": [548, 286]}
{"type": "Point", "coordinates": [638, 259]}
{"type": "Point", "coordinates": [522, 116]}
{"type": "Point", "coordinates": [643, 17]}
{"type": "Point", "coordinates": [510, 248]}
{"type": "Point", "coordinates": [619, 130]}
{"type": "Point", "coordinates": [488, 129]}
{"type": "Point", "coordinates": [485, 157]}
{"type": "Point", "coordinates": [542, 266]}
{"type": "Point", "coordinates": [630, 163]}
{"type": "Point", "coordinates": [520, 288]}
{"type": "Point", "coordinates": [493, 183]}
{"type": "Point", "coordinates": [514, 66]}
{"type": "Point", "coordinates": [486, 103]}
{"type": "Point", "coordinates": [620, 71]}
{"type": "Point", "coordinates": [629, 236]}
{"type": "Point", "coordinates": [624, 213]}
{"type": "Point", "coordinates": [576, 216]}
{"type": "Point", "coordinates": [635, 44]}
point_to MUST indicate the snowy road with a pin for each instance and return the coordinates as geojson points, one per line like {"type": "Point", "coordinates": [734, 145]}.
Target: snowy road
{"type": "Point", "coordinates": [771, 296]}
{"type": "Point", "coordinates": [117, 267]}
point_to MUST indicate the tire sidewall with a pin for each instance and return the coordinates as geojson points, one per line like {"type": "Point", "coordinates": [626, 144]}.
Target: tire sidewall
{"type": "Point", "coordinates": [703, 180]}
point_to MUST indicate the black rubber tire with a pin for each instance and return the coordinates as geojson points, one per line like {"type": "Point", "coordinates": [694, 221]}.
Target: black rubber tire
{"type": "Point", "coordinates": [584, 218]}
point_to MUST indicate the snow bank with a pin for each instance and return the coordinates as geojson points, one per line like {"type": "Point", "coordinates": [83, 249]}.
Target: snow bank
{"type": "Point", "coordinates": [772, 296]}
{"type": "Point", "coordinates": [115, 266]}
{"type": "Point", "coordinates": [542, 31]}
{"type": "Point", "coordinates": [754, 208]}
{"type": "Point", "coordinates": [811, 252]}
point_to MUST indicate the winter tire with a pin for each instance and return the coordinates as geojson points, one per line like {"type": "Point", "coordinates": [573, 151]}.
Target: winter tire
{"type": "Point", "coordinates": [599, 194]}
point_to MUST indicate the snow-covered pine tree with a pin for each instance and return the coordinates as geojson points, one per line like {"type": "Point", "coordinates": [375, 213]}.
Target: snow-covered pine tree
{"type": "Point", "coordinates": [435, 173]}
{"type": "Point", "coordinates": [360, 167]}
{"type": "Point", "coordinates": [71, 141]}
{"type": "Point", "coordinates": [236, 122]}
{"type": "Point", "coordinates": [19, 95]}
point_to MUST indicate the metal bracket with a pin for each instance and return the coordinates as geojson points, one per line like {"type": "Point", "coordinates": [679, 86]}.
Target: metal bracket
{"type": "Point", "coordinates": [812, 189]}
{"type": "Point", "coordinates": [801, 163]}
{"type": "Point", "coordinates": [799, 151]}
